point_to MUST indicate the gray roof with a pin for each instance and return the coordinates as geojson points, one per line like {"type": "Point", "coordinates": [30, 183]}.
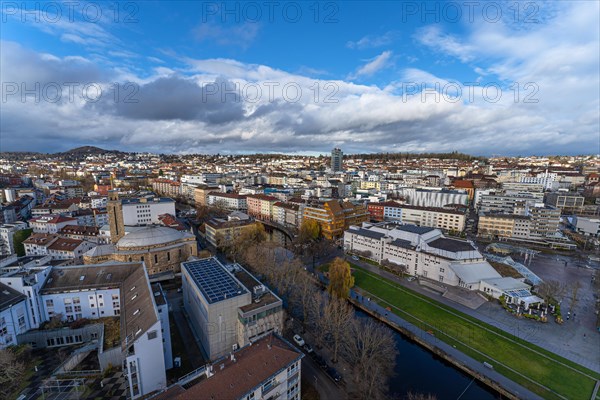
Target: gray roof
{"type": "Point", "coordinates": [368, 233]}
{"type": "Point", "coordinates": [150, 236]}
{"type": "Point", "coordinates": [9, 297]}
{"type": "Point", "coordinates": [419, 230]}
{"type": "Point", "coordinates": [402, 243]}
{"type": "Point", "coordinates": [451, 245]}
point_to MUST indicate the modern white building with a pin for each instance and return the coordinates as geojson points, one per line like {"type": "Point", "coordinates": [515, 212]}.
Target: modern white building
{"type": "Point", "coordinates": [120, 290]}
{"type": "Point", "coordinates": [228, 307]}
{"type": "Point", "coordinates": [144, 211]}
{"type": "Point", "coordinates": [435, 198]}
{"type": "Point", "coordinates": [228, 201]}
{"type": "Point", "coordinates": [422, 252]}
{"type": "Point", "coordinates": [587, 226]}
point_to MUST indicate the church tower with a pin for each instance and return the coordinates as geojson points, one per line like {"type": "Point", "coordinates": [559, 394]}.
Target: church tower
{"type": "Point", "coordinates": [115, 216]}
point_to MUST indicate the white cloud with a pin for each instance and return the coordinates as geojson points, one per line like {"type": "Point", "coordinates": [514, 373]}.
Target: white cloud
{"type": "Point", "coordinates": [372, 41]}
{"type": "Point", "coordinates": [374, 65]}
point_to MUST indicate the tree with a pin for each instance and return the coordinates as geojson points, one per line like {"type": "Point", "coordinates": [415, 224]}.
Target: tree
{"type": "Point", "coordinates": [369, 347]}
{"type": "Point", "coordinates": [420, 396]}
{"type": "Point", "coordinates": [303, 295]}
{"type": "Point", "coordinates": [337, 317]}
{"type": "Point", "coordinates": [340, 279]}
{"type": "Point", "coordinates": [309, 230]}
{"type": "Point", "coordinates": [18, 239]}
{"type": "Point", "coordinates": [12, 370]}
{"type": "Point", "coordinates": [550, 290]}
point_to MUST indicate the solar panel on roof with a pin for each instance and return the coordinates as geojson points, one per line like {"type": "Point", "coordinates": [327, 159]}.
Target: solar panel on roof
{"type": "Point", "coordinates": [215, 283]}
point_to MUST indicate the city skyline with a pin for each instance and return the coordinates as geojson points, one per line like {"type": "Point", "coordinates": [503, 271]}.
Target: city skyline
{"type": "Point", "coordinates": [209, 77]}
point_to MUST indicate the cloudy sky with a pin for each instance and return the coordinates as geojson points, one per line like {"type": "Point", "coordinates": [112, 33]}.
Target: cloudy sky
{"type": "Point", "coordinates": [512, 78]}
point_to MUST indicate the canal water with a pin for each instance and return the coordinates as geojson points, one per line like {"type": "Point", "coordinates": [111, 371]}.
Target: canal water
{"type": "Point", "coordinates": [420, 371]}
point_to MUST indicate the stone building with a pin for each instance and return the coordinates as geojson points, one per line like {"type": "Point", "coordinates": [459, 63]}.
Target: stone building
{"type": "Point", "coordinates": [161, 249]}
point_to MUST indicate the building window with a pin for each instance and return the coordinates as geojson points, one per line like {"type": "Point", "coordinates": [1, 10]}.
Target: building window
{"type": "Point", "coordinates": [152, 335]}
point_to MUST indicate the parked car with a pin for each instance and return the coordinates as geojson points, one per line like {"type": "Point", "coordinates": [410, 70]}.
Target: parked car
{"type": "Point", "coordinates": [299, 341]}
{"type": "Point", "coordinates": [307, 348]}
{"type": "Point", "coordinates": [333, 374]}
{"type": "Point", "coordinates": [320, 361]}
{"type": "Point", "coordinates": [355, 258]}
{"type": "Point", "coordinates": [179, 290]}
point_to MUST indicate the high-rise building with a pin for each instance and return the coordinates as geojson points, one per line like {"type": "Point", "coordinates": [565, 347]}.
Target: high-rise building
{"type": "Point", "coordinates": [336, 160]}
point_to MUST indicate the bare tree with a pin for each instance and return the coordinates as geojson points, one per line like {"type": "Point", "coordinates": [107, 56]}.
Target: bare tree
{"type": "Point", "coordinates": [11, 372]}
{"type": "Point", "coordinates": [303, 295]}
{"type": "Point", "coordinates": [338, 315]}
{"type": "Point", "coordinates": [551, 290]}
{"type": "Point", "coordinates": [369, 347]}
{"type": "Point", "coordinates": [420, 396]}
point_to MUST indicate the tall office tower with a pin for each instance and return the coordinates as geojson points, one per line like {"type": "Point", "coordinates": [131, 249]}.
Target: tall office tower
{"type": "Point", "coordinates": [336, 160]}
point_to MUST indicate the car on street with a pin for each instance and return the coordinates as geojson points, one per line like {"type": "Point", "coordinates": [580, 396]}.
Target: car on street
{"type": "Point", "coordinates": [320, 361]}
{"type": "Point", "coordinates": [299, 341]}
{"type": "Point", "coordinates": [355, 258]}
{"type": "Point", "coordinates": [333, 374]}
{"type": "Point", "coordinates": [307, 348]}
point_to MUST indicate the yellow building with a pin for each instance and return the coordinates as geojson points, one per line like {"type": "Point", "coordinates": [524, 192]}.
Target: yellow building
{"type": "Point", "coordinates": [335, 217]}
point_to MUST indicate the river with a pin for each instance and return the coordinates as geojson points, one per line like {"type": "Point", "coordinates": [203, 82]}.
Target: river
{"type": "Point", "coordinates": [420, 371]}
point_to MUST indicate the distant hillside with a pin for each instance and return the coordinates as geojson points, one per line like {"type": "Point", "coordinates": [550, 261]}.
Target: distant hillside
{"type": "Point", "coordinates": [86, 150]}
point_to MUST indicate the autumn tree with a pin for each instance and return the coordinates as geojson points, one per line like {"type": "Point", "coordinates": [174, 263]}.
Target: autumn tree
{"type": "Point", "coordinates": [309, 230]}
{"type": "Point", "coordinates": [340, 279]}
{"type": "Point", "coordinates": [369, 347]}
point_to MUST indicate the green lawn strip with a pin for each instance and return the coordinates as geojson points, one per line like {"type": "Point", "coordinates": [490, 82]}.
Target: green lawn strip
{"type": "Point", "coordinates": [452, 326]}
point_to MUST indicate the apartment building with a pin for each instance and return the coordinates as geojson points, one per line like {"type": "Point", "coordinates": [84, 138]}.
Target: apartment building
{"type": "Point", "coordinates": [219, 232]}
{"type": "Point", "coordinates": [435, 198]}
{"type": "Point", "coordinates": [567, 202]}
{"type": "Point", "coordinates": [13, 315]}
{"type": "Point", "coordinates": [228, 307]}
{"type": "Point", "coordinates": [167, 187]}
{"type": "Point", "coordinates": [51, 223]}
{"type": "Point", "coordinates": [270, 368]}
{"type": "Point", "coordinates": [59, 248]}
{"type": "Point", "coordinates": [505, 204]}
{"type": "Point", "coordinates": [228, 201]}
{"type": "Point", "coordinates": [503, 226]}
{"type": "Point", "coordinates": [440, 218]}
{"type": "Point", "coordinates": [260, 206]}
{"type": "Point", "coordinates": [329, 215]}
{"type": "Point", "coordinates": [201, 194]}
{"type": "Point", "coordinates": [287, 214]}
{"type": "Point", "coordinates": [123, 291]}
{"type": "Point", "coordinates": [7, 234]}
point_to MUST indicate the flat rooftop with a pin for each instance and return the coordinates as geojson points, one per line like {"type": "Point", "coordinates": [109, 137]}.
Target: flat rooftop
{"type": "Point", "coordinates": [213, 280]}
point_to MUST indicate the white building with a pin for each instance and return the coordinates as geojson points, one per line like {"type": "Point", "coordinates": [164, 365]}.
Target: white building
{"type": "Point", "coordinates": [228, 201]}
{"type": "Point", "coordinates": [122, 290]}
{"type": "Point", "coordinates": [7, 233]}
{"type": "Point", "coordinates": [51, 223]}
{"type": "Point", "coordinates": [587, 226]}
{"type": "Point", "coordinates": [228, 308]}
{"type": "Point", "coordinates": [13, 315]}
{"type": "Point", "coordinates": [144, 211]}
{"type": "Point", "coordinates": [435, 198]}
{"type": "Point", "coordinates": [270, 368]}
{"type": "Point", "coordinates": [423, 252]}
